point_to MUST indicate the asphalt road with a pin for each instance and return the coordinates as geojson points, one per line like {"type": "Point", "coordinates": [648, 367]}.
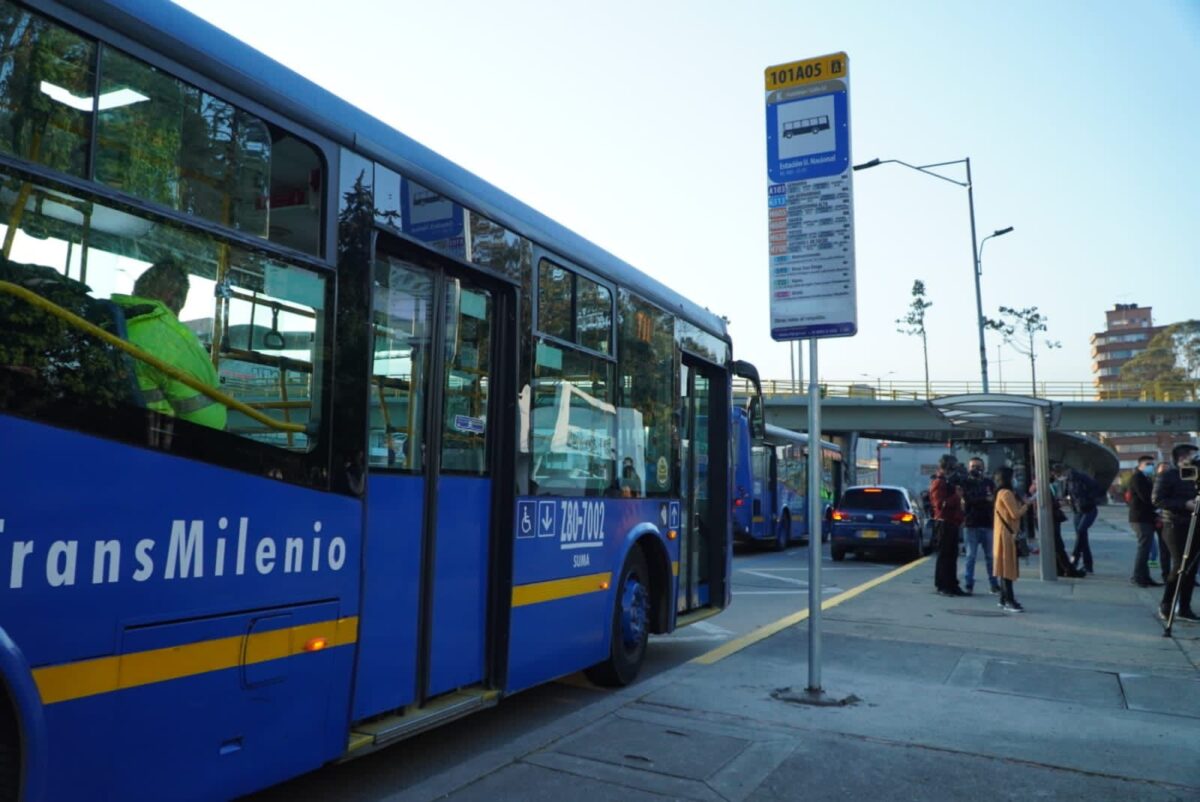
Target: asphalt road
{"type": "Point", "coordinates": [766, 587]}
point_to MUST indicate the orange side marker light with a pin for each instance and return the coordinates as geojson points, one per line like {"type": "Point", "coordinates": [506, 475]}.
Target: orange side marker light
{"type": "Point", "coordinates": [316, 644]}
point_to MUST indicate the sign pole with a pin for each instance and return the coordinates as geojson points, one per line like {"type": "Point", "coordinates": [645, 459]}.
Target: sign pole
{"type": "Point", "coordinates": [810, 214]}
{"type": "Point", "coordinates": [815, 522]}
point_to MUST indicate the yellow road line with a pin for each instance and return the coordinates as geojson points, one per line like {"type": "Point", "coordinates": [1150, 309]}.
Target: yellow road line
{"type": "Point", "coordinates": [76, 680]}
{"type": "Point", "coordinates": [766, 631]}
{"type": "Point", "coordinates": [555, 589]}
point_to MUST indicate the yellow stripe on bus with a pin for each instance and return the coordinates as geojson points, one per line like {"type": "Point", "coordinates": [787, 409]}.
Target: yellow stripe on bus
{"type": "Point", "coordinates": [555, 589]}
{"type": "Point", "coordinates": [69, 681]}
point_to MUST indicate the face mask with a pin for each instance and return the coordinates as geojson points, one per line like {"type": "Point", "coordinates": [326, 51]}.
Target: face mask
{"type": "Point", "coordinates": [1148, 470]}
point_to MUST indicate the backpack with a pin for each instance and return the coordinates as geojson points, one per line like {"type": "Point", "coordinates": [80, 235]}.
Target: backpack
{"type": "Point", "coordinates": [43, 359]}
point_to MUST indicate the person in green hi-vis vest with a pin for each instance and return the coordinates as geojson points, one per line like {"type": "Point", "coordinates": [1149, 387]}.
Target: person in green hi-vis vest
{"type": "Point", "coordinates": [152, 322]}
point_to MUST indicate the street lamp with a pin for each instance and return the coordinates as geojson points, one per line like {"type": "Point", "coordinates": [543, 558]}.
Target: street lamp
{"type": "Point", "coordinates": [926, 168]}
{"type": "Point", "coordinates": [1000, 232]}
{"type": "Point", "coordinates": [879, 377]}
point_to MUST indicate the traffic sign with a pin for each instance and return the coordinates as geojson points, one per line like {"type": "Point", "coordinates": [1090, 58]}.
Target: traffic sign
{"type": "Point", "coordinates": [547, 520]}
{"type": "Point", "coordinates": [809, 199]}
{"type": "Point", "coordinates": [526, 515]}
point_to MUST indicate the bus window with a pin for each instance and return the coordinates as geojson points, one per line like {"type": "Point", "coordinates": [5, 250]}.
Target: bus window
{"type": "Point", "coordinates": [695, 339]}
{"type": "Point", "coordinates": [648, 373]}
{"type": "Point", "coordinates": [468, 363]}
{"type": "Point", "coordinates": [46, 94]}
{"type": "Point", "coordinates": [166, 141]}
{"type": "Point", "coordinates": [574, 308]}
{"type": "Point", "coordinates": [593, 316]}
{"type": "Point", "coordinates": [573, 423]}
{"type": "Point", "coordinates": [556, 296]}
{"type": "Point", "coordinates": [402, 319]}
{"type": "Point", "coordinates": [494, 246]}
{"type": "Point", "coordinates": [260, 319]}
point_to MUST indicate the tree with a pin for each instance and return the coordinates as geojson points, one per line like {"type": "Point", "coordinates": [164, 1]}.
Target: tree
{"type": "Point", "coordinates": [1020, 328]}
{"type": "Point", "coordinates": [1169, 368]}
{"type": "Point", "coordinates": [914, 323]}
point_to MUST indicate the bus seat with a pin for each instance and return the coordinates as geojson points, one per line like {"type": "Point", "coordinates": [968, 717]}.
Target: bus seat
{"type": "Point", "coordinates": [115, 324]}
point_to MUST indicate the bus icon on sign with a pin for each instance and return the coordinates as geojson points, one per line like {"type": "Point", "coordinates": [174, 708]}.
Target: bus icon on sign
{"type": "Point", "coordinates": [810, 125]}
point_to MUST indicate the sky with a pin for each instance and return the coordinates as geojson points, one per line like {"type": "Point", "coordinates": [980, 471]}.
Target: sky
{"type": "Point", "coordinates": [641, 126]}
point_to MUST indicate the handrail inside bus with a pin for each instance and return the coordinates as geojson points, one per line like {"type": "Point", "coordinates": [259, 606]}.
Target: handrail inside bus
{"type": "Point", "coordinates": [72, 319]}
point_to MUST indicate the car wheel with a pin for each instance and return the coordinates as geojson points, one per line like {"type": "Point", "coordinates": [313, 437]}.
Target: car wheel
{"type": "Point", "coordinates": [837, 553]}
{"type": "Point", "coordinates": [630, 625]}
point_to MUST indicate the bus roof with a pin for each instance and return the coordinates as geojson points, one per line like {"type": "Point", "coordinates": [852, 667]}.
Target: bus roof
{"type": "Point", "coordinates": [777, 434]}
{"type": "Point", "coordinates": [177, 33]}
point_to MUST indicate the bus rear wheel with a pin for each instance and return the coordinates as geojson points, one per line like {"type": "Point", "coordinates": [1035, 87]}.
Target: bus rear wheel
{"type": "Point", "coordinates": [783, 532]}
{"type": "Point", "coordinates": [10, 751]}
{"type": "Point", "coordinates": [630, 625]}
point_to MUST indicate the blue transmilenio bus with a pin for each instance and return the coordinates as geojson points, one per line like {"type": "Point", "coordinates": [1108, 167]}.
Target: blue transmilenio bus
{"type": "Point", "coordinates": [460, 451]}
{"type": "Point", "coordinates": [770, 475]}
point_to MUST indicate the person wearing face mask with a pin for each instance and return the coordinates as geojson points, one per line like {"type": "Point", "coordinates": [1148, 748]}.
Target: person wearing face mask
{"type": "Point", "coordinates": [979, 497]}
{"type": "Point", "coordinates": [1177, 497]}
{"type": "Point", "coordinates": [1141, 520]}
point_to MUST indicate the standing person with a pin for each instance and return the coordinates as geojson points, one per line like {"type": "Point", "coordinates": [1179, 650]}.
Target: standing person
{"type": "Point", "coordinates": [1141, 520]}
{"type": "Point", "coordinates": [1177, 497]}
{"type": "Point", "coordinates": [979, 496]}
{"type": "Point", "coordinates": [1083, 492]}
{"type": "Point", "coordinates": [1063, 562]}
{"type": "Point", "coordinates": [152, 322]}
{"type": "Point", "coordinates": [945, 494]}
{"type": "Point", "coordinates": [1006, 526]}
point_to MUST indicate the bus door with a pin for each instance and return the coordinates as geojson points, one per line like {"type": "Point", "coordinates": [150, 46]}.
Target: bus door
{"type": "Point", "coordinates": [443, 345]}
{"type": "Point", "coordinates": [703, 485]}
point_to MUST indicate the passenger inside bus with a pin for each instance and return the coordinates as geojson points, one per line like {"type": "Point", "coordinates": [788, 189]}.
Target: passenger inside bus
{"type": "Point", "coordinates": [152, 322]}
{"type": "Point", "coordinates": [631, 483]}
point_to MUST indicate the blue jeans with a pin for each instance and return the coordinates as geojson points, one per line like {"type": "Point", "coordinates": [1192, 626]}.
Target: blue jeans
{"type": "Point", "coordinates": [976, 537]}
{"type": "Point", "coordinates": [1083, 549]}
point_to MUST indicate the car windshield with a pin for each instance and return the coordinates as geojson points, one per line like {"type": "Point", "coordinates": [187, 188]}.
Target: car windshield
{"type": "Point", "coordinates": [874, 499]}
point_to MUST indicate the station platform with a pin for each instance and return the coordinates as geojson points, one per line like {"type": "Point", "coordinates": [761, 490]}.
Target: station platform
{"type": "Point", "coordinates": [1080, 697]}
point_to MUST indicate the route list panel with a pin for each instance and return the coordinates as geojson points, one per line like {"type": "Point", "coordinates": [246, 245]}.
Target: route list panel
{"type": "Point", "coordinates": [812, 256]}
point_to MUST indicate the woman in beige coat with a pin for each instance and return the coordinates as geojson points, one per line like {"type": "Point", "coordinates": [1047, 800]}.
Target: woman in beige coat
{"type": "Point", "coordinates": [1006, 525]}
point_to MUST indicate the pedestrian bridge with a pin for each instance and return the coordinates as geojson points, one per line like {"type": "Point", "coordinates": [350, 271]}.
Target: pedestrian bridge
{"type": "Point", "coordinates": [925, 420]}
{"type": "Point", "coordinates": [1071, 425]}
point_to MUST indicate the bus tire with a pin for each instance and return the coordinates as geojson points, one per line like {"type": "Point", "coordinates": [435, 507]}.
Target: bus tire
{"type": "Point", "coordinates": [783, 533]}
{"type": "Point", "coordinates": [10, 751]}
{"type": "Point", "coordinates": [630, 625]}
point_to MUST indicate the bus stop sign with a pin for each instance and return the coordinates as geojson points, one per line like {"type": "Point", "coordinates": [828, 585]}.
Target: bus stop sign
{"type": "Point", "coordinates": [809, 199]}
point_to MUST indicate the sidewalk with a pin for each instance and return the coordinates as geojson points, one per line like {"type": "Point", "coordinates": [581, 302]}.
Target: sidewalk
{"type": "Point", "coordinates": [1079, 698]}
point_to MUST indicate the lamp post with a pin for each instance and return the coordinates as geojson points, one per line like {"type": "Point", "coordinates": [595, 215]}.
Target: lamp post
{"type": "Point", "coordinates": [878, 379]}
{"type": "Point", "coordinates": [1000, 232]}
{"type": "Point", "coordinates": [927, 169]}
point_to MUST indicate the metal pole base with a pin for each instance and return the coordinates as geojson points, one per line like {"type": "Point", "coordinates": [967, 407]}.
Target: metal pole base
{"type": "Point", "coordinates": [813, 697]}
